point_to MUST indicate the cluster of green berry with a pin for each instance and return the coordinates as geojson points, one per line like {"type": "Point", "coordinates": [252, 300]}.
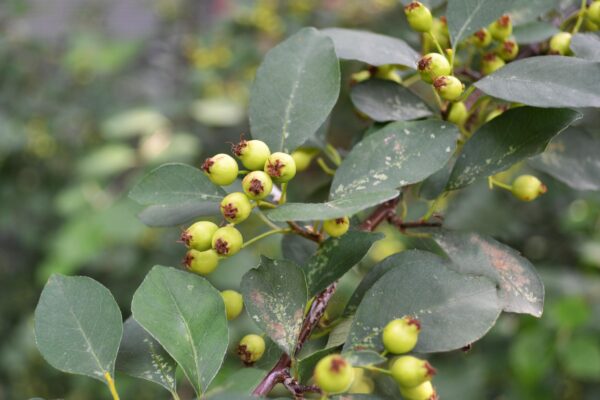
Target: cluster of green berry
{"type": "Point", "coordinates": [560, 43]}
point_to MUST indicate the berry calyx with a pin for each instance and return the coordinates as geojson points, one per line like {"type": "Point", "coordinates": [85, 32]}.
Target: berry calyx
{"type": "Point", "coordinates": [303, 157]}
{"type": "Point", "coordinates": [400, 335]}
{"type": "Point", "coordinates": [448, 87]}
{"type": "Point", "coordinates": [334, 374]}
{"type": "Point", "coordinates": [433, 65]}
{"type": "Point", "coordinates": [236, 207]}
{"type": "Point", "coordinates": [409, 371]}
{"type": "Point", "coordinates": [257, 185]}
{"type": "Point", "coordinates": [482, 38]}
{"type": "Point", "coordinates": [527, 188]}
{"type": "Point", "coordinates": [251, 348]}
{"type": "Point", "coordinates": [418, 16]}
{"type": "Point", "coordinates": [491, 63]}
{"type": "Point", "coordinates": [560, 43]}
{"type": "Point", "coordinates": [501, 28]}
{"type": "Point", "coordinates": [234, 303]}
{"type": "Point", "coordinates": [201, 262]}
{"type": "Point", "coordinates": [227, 241]}
{"type": "Point", "coordinates": [458, 113]}
{"type": "Point", "coordinates": [221, 169]}
{"type": "Point", "coordinates": [280, 167]}
{"type": "Point", "coordinates": [252, 153]}
{"type": "Point", "coordinates": [198, 236]}
{"type": "Point", "coordinates": [508, 50]}
{"type": "Point", "coordinates": [336, 227]}
{"type": "Point", "coordinates": [424, 391]}
{"type": "Point", "coordinates": [593, 12]}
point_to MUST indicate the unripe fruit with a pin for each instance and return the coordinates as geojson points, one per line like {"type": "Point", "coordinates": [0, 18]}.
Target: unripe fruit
{"type": "Point", "coordinates": [491, 63]}
{"type": "Point", "coordinates": [221, 169]}
{"type": "Point", "coordinates": [560, 43]}
{"type": "Point", "coordinates": [439, 29]}
{"type": "Point", "coordinates": [304, 155]}
{"type": "Point", "coordinates": [527, 188]}
{"type": "Point", "coordinates": [458, 113]}
{"type": "Point", "coordinates": [360, 76]}
{"type": "Point", "coordinates": [252, 153]}
{"type": "Point", "coordinates": [227, 241]}
{"type": "Point", "coordinates": [448, 87]}
{"type": "Point", "coordinates": [424, 391]}
{"type": "Point", "coordinates": [251, 348]}
{"type": "Point", "coordinates": [201, 262]}
{"type": "Point", "coordinates": [482, 38]}
{"type": "Point", "coordinates": [336, 227]}
{"type": "Point", "coordinates": [418, 16]}
{"type": "Point", "coordinates": [501, 28]}
{"type": "Point", "coordinates": [400, 335]}
{"type": "Point", "coordinates": [333, 374]}
{"type": "Point", "coordinates": [280, 167]}
{"type": "Point", "coordinates": [508, 50]}
{"type": "Point", "coordinates": [234, 303]}
{"type": "Point", "coordinates": [198, 236]}
{"type": "Point", "coordinates": [409, 371]}
{"type": "Point", "coordinates": [362, 384]}
{"type": "Point", "coordinates": [593, 12]}
{"type": "Point", "coordinates": [433, 65]}
{"type": "Point", "coordinates": [388, 73]}
{"type": "Point", "coordinates": [591, 25]}
{"type": "Point", "coordinates": [257, 185]}
{"type": "Point", "coordinates": [236, 207]}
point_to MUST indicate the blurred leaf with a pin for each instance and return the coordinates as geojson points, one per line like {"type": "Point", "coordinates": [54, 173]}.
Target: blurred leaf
{"type": "Point", "coordinates": [108, 160]}
{"type": "Point", "coordinates": [297, 249]}
{"type": "Point", "coordinates": [526, 11]}
{"type": "Point", "coordinates": [174, 214]}
{"type": "Point", "coordinates": [220, 112]}
{"type": "Point", "coordinates": [586, 45]}
{"type": "Point", "coordinates": [359, 358]}
{"type": "Point", "coordinates": [531, 355]}
{"type": "Point", "coordinates": [534, 32]}
{"type": "Point", "coordinates": [570, 312]}
{"type": "Point", "coordinates": [581, 358]}
{"type": "Point", "coordinates": [131, 123]}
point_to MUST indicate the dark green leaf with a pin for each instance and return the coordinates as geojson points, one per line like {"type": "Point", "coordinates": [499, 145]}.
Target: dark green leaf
{"type": "Point", "coordinates": [241, 381]}
{"type": "Point", "coordinates": [297, 248]}
{"type": "Point", "coordinates": [435, 185]}
{"type": "Point", "coordinates": [275, 297]}
{"type": "Point", "coordinates": [340, 332]}
{"type": "Point", "coordinates": [295, 89]}
{"type": "Point", "coordinates": [186, 315]}
{"type": "Point", "coordinates": [534, 32]}
{"type": "Point", "coordinates": [516, 134]}
{"type": "Point", "coordinates": [586, 45]}
{"type": "Point", "coordinates": [176, 214]}
{"type": "Point", "coordinates": [523, 12]}
{"type": "Point", "coordinates": [359, 358]}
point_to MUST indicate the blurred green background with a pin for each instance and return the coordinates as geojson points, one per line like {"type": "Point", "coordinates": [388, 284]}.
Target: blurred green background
{"type": "Point", "coordinates": [94, 93]}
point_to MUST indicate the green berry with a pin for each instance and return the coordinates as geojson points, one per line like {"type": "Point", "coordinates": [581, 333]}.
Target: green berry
{"type": "Point", "coordinates": [236, 207]}
{"type": "Point", "coordinates": [336, 227]}
{"type": "Point", "coordinates": [560, 43]}
{"type": "Point", "coordinates": [593, 12]}
{"type": "Point", "coordinates": [257, 185]}
{"type": "Point", "coordinates": [528, 188]}
{"type": "Point", "coordinates": [591, 25]}
{"type": "Point", "coordinates": [418, 16]}
{"type": "Point", "coordinates": [508, 50]}
{"type": "Point", "coordinates": [303, 157]}
{"type": "Point", "coordinates": [252, 153]}
{"type": "Point", "coordinates": [280, 167]}
{"type": "Point", "coordinates": [388, 73]}
{"type": "Point", "coordinates": [424, 391]}
{"type": "Point", "coordinates": [334, 374]}
{"type": "Point", "coordinates": [201, 262]}
{"type": "Point", "coordinates": [221, 169]}
{"type": "Point", "coordinates": [458, 113]}
{"type": "Point", "coordinates": [360, 76]}
{"type": "Point", "coordinates": [501, 28]}
{"type": "Point", "coordinates": [491, 63]}
{"type": "Point", "coordinates": [234, 303]}
{"type": "Point", "coordinates": [448, 87]}
{"type": "Point", "coordinates": [409, 371]}
{"type": "Point", "coordinates": [227, 241]}
{"type": "Point", "coordinates": [439, 29]}
{"type": "Point", "coordinates": [251, 348]}
{"type": "Point", "coordinates": [482, 38]}
{"type": "Point", "coordinates": [433, 65]}
{"type": "Point", "coordinates": [199, 235]}
{"type": "Point", "coordinates": [362, 384]}
{"type": "Point", "coordinates": [400, 335]}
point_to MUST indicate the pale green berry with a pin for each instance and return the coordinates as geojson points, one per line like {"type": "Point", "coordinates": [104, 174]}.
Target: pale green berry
{"type": "Point", "coordinates": [201, 262]}
{"type": "Point", "coordinates": [593, 12]}
{"type": "Point", "coordinates": [280, 167]}
{"type": "Point", "coordinates": [388, 73]}
{"type": "Point", "coordinates": [303, 157]}
{"type": "Point", "coordinates": [424, 391]}
{"type": "Point", "coordinates": [482, 38]}
{"type": "Point", "coordinates": [227, 241]}
{"type": "Point", "coordinates": [252, 153]}
{"type": "Point", "coordinates": [251, 348]}
{"type": "Point", "coordinates": [198, 236]}
{"type": "Point", "coordinates": [501, 28]}
{"type": "Point", "coordinates": [433, 65]}
{"type": "Point", "coordinates": [561, 43]}
{"type": "Point", "coordinates": [458, 113]}
{"type": "Point", "coordinates": [527, 188]}
{"type": "Point", "coordinates": [334, 374]}
{"type": "Point", "coordinates": [336, 227]}
{"type": "Point", "coordinates": [448, 87]}
{"type": "Point", "coordinates": [418, 16]}
{"type": "Point", "coordinates": [221, 169]}
{"type": "Point", "coordinates": [236, 207]}
{"type": "Point", "coordinates": [400, 335]}
{"type": "Point", "coordinates": [491, 63]}
{"type": "Point", "coordinates": [508, 50]}
{"type": "Point", "coordinates": [257, 185]}
{"type": "Point", "coordinates": [409, 371]}
{"type": "Point", "coordinates": [234, 303]}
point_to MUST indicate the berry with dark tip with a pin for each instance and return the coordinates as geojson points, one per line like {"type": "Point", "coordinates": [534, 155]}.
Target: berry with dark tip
{"type": "Point", "coordinates": [221, 169]}
{"type": "Point", "coordinates": [501, 28]}
{"type": "Point", "coordinates": [227, 241]}
{"type": "Point", "coordinates": [251, 348]}
{"type": "Point", "coordinates": [336, 227]}
{"type": "Point", "coordinates": [491, 63]}
{"type": "Point", "coordinates": [400, 335]}
{"type": "Point", "coordinates": [201, 262]}
{"type": "Point", "coordinates": [448, 87]}
{"type": "Point", "coordinates": [252, 153]}
{"type": "Point", "coordinates": [433, 65]}
{"type": "Point", "coordinates": [528, 188]}
{"type": "Point", "coordinates": [334, 374]}
{"type": "Point", "coordinates": [236, 207]}
{"type": "Point", "coordinates": [198, 236]}
{"type": "Point", "coordinates": [409, 371]}
{"type": "Point", "coordinates": [418, 16]}
{"type": "Point", "coordinates": [257, 185]}
{"type": "Point", "coordinates": [280, 167]}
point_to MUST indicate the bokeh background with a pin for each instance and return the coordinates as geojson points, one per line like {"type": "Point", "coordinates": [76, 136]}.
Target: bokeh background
{"type": "Point", "coordinates": [94, 93]}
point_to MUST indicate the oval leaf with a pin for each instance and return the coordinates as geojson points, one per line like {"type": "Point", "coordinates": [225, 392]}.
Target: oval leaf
{"type": "Point", "coordinates": [586, 45]}
{"type": "Point", "coordinates": [534, 32]}
{"type": "Point", "coordinates": [297, 249]}
{"type": "Point", "coordinates": [295, 89]}
{"type": "Point", "coordinates": [186, 315]}
{"type": "Point", "coordinates": [176, 214]}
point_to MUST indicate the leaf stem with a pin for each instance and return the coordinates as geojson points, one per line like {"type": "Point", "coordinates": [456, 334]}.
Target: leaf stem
{"type": "Point", "coordinates": [175, 395]}
{"type": "Point", "coordinates": [411, 79]}
{"type": "Point", "coordinates": [580, 16]}
{"type": "Point", "coordinates": [283, 197]}
{"type": "Point", "coordinates": [264, 235]}
{"type": "Point", "coordinates": [493, 182]}
{"type": "Point", "coordinates": [111, 386]}
{"type": "Point", "coordinates": [333, 154]}
{"type": "Point", "coordinates": [325, 167]}
{"type": "Point", "coordinates": [266, 220]}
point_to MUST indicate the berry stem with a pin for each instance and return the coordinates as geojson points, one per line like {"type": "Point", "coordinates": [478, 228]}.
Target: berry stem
{"type": "Point", "coordinates": [266, 204]}
{"type": "Point", "coordinates": [325, 167]}
{"type": "Point", "coordinates": [111, 386]}
{"type": "Point", "coordinates": [411, 79]}
{"type": "Point", "coordinates": [333, 154]}
{"type": "Point", "coordinates": [376, 369]}
{"type": "Point", "coordinates": [266, 220]}
{"type": "Point", "coordinates": [283, 197]}
{"type": "Point", "coordinates": [493, 182]}
{"type": "Point", "coordinates": [243, 172]}
{"type": "Point", "coordinates": [264, 235]}
{"type": "Point", "coordinates": [580, 16]}
{"type": "Point", "coordinates": [437, 45]}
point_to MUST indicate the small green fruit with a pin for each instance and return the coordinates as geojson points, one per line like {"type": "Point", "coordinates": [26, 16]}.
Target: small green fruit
{"type": "Point", "coordinates": [221, 169]}
{"type": "Point", "coordinates": [303, 156]}
{"type": "Point", "coordinates": [433, 65]}
{"type": "Point", "coordinates": [409, 371]}
{"type": "Point", "coordinates": [593, 12]}
{"type": "Point", "coordinates": [359, 76]}
{"type": "Point", "coordinates": [424, 391]}
{"type": "Point", "coordinates": [198, 236]}
{"type": "Point", "coordinates": [227, 241]}
{"type": "Point", "coordinates": [508, 50]}
{"type": "Point", "coordinates": [482, 38]}
{"type": "Point", "coordinates": [439, 29]}
{"type": "Point", "coordinates": [201, 262]}
{"type": "Point", "coordinates": [448, 87]}
{"type": "Point", "coordinates": [501, 28]}
{"type": "Point", "coordinates": [336, 227]}
{"type": "Point", "coordinates": [591, 25]}
{"type": "Point", "coordinates": [400, 335]}
{"type": "Point", "coordinates": [560, 43]}
{"type": "Point", "coordinates": [362, 384]}
{"type": "Point", "coordinates": [234, 303]}
{"type": "Point", "coordinates": [333, 374]}
{"type": "Point", "coordinates": [388, 73]}
{"type": "Point", "coordinates": [236, 207]}
{"type": "Point", "coordinates": [257, 185]}
{"type": "Point", "coordinates": [418, 16]}
{"type": "Point", "coordinates": [252, 153]}
{"type": "Point", "coordinates": [251, 348]}
{"type": "Point", "coordinates": [527, 188]}
{"type": "Point", "coordinates": [491, 63]}
{"type": "Point", "coordinates": [280, 167]}
{"type": "Point", "coordinates": [458, 113]}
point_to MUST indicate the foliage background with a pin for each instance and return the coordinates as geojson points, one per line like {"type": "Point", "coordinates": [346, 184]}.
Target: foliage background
{"type": "Point", "coordinates": [95, 93]}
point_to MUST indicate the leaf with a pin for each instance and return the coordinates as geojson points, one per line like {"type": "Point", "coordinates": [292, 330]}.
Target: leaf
{"type": "Point", "coordinates": [397, 155]}
{"type": "Point", "coordinates": [586, 45]}
{"type": "Point", "coordinates": [78, 326]}
{"type": "Point", "coordinates": [454, 309]}
{"type": "Point", "coordinates": [295, 89]}
{"type": "Point", "coordinates": [141, 356]}
{"type": "Point", "coordinates": [359, 358]}
{"type": "Point", "coordinates": [176, 214]}
{"type": "Point", "coordinates": [186, 315]}
{"type": "Point", "coordinates": [384, 100]}
{"type": "Point", "coordinates": [546, 81]}
{"type": "Point", "coordinates": [572, 158]}
{"type": "Point", "coordinates": [467, 16]}
{"type": "Point", "coordinates": [346, 206]}
{"type": "Point", "coordinates": [516, 134]}
{"type": "Point", "coordinates": [340, 332]}
{"type": "Point", "coordinates": [335, 257]}
{"type": "Point", "coordinates": [523, 12]}
{"type": "Point", "coordinates": [297, 249]}
{"type": "Point", "coordinates": [534, 32]}
{"type": "Point", "coordinates": [275, 297]}
{"type": "Point", "coordinates": [520, 288]}
{"type": "Point", "coordinates": [242, 381]}
{"type": "Point", "coordinates": [371, 48]}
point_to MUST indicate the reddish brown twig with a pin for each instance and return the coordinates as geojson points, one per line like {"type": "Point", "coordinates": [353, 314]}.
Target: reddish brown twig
{"type": "Point", "coordinates": [309, 234]}
{"type": "Point", "coordinates": [398, 223]}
